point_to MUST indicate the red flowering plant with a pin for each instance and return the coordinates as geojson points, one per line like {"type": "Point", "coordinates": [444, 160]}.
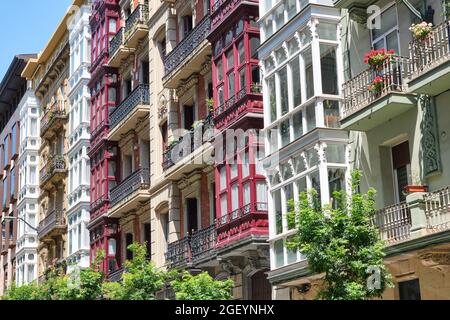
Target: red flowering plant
{"type": "Point", "coordinates": [376, 58]}
{"type": "Point", "coordinates": [377, 85]}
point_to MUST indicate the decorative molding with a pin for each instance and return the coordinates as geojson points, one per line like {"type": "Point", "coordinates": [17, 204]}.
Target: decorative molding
{"type": "Point", "coordinates": [430, 137]}
{"type": "Point", "coordinates": [438, 259]}
{"type": "Point", "coordinates": [186, 85]}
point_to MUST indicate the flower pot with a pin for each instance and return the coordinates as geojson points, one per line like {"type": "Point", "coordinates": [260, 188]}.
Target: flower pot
{"type": "Point", "coordinates": [416, 188]}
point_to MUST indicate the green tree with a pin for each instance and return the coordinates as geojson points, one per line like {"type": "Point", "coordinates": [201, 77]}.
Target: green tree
{"type": "Point", "coordinates": [25, 292]}
{"type": "Point", "coordinates": [141, 280]}
{"type": "Point", "coordinates": [341, 243]}
{"type": "Point", "coordinates": [202, 287]}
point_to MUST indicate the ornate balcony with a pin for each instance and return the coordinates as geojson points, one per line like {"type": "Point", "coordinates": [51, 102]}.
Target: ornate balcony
{"type": "Point", "coordinates": [246, 222]}
{"type": "Point", "coordinates": [203, 244]}
{"type": "Point", "coordinates": [189, 151]}
{"type": "Point", "coordinates": [95, 205]}
{"type": "Point", "coordinates": [54, 224]}
{"type": "Point", "coordinates": [116, 276]}
{"type": "Point", "coordinates": [53, 119]}
{"type": "Point", "coordinates": [129, 193]}
{"type": "Point", "coordinates": [117, 49]}
{"type": "Point", "coordinates": [188, 56]}
{"type": "Point", "coordinates": [394, 223]}
{"type": "Point", "coordinates": [364, 109]}
{"type": "Point", "coordinates": [53, 172]}
{"type": "Point", "coordinates": [246, 100]}
{"type": "Point", "coordinates": [136, 26]}
{"type": "Point", "coordinates": [437, 209]}
{"type": "Point", "coordinates": [179, 253]}
{"type": "Point", "coordinates": [127, 114]}
{"type": "Point", "coordinates": [430, 62]}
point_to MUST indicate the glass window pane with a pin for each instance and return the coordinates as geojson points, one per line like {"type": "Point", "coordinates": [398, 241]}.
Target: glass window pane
{"type": "Point", "coordinates": [223, 205]}
{"type": "Point", "coordinates": [291, 255]}
{"type": "Point", "coordinates": [284, 91]}
{"type": "Point", "coordinates": [328, 66]}
{"type": "Point", "coordinates": [233, 171]}
{"type": "Point", "coordinates": [315, 182]}
{"type": "Point", "coordinates": [335, 153]}
{"type": "Point", "coordinates": [241, 52]}
{"type": "Point", "coordinates": [292, 46]}
{"type": "Point", "coordinates": [309, 73]}
{"type": "Point", "coordinates": [289, 194]}
{"type": "Point", "coordinates": [280, 55]}
{"type": "Point", "coordinates": [246, 194]}
{"type": "Point", "coordinates": [388, 21]}
{"type": "Point", "coordinates": [336, 182]}
{"type": "Point", "coordinates": [234, 197]}
{"type": "Point", "coordinates": [261, 192]}
{"type": "Point", "coordinates": [278, 211]}
{"type": "Point", "coordinates": [285, 133]}
{"type": "Point", "coordinates": [305, 37]}
{"type": "Point", "coordinates": [230, 59]}
{"type": "Point", "coordinates": [299, 165]}
{"type": "Point", "coordinates": [230, 85]}
{"type": "Point", "coordinates": [392, 41]}
{"type": "Point", "coordinates": [254, 45]}
{"type": "Point", "coordinates": [279, 17]}
{"type": "Point", "coordinates": [311, 117]}
{"type": "Point", "coordinates": [223, 178]}
{"type": "Point", "coordinates": [327, 31]}
{"type": "Point", "coordinates": [219, 70]}
{"type": "Point", "coordinates": [291, 8]}
{"type": "Point", "coordinates": [279, 253]}
{"type": "Point", "coordinates": [268, 27]}
{"type": "Point", "coordinates": [331, 113]}
{"type": "Point", "coordinates": [242, 78]}
{"type": "Point", "coordinates": [246, 165]}
{"type": "Point", "coordinates": [272, 98]}
{"type": "Point", "coordinates": [298, 124]}
{"type": "Point", "coordinates": [301, 185]}
{"type": "Point", "coordinates": [296, 87]}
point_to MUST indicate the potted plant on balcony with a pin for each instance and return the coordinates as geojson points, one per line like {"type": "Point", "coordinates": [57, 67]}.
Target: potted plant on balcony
{"type": "Point", "coordinates": [416, 185]}
{"type": "Point", "coordinates": [255, 87]}
{"type": "Point", "coordinates": [376, 58]}
{"type": "Point", "coordinates": [210, 104]}
{"type": "Point", "coordinates": [377, 86]}
{"type": "Point", "coordinates": [421, 31]}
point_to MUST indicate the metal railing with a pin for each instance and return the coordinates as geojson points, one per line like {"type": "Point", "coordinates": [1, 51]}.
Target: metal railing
{"type": "Point", "coordinates": [57, 110]}
{"type": "Point", "coordinates": [430, 52]}
{"type": "Point", "coordinates": [55, 219]}
{"type": "Point", "coordinates": [139, 179]}
{"type": "Point", "coordinates": [116, 42]}
{"type": "Point", "coordinates": [116, 275]}
{"type": "Point", "coordinates": [55, 163]}
{"type": "Point", "coordinates": [187, 45]}
{"type": "Point", "coordinates": [139, 15]}
{"type": "Point", "coordinates": [179, 252]}
{"type": "Point", "coordinates": [139, 96]}
{"type": "Point", "coordinates": [228, 105]}
{"type": "Point", "coordinates": [392, 75]}
{"type": "Point", "coordinates": [196, 137]}
{"type": "Point", "coordinates": [237, 215]}
{"type": "Point", "coordinates": [437, 209]}
{"type": "Point", "coordinates": [203, 242]}
{"type": "Point", "coordinates": [394, 222]}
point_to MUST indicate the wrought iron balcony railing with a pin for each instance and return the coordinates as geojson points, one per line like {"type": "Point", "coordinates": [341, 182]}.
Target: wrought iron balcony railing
{"type": "Point", "coordinates": [56, 164]}
{"type": "Point", "coordinates": [360, 91]}
{"type": "Point", "coordinates": [139, 16]}
{"type": "Point", "coordinates": [179, 253]}
{"type": "Point", "coordinates": [116, 276]}
{"type": "Point", "coordinates": [139, 96]}
{"type": "Point", "coordinates": [55, 219]}
{"type": "Point", "coordinates": [98, 203]}
{"type": "Point", "coordinates": [139, 179]}
{"type": "Point", "coordinates": [241, 213]}
{"type": "Point", "coordinates": [222, 110]}
{"type": "Point", "coordinates": [203, 243]}
{"type": "Point", "coordinates": [116, 42]}
{"type": "Point", "coordinates": [56, 111]}
{"type": "Point", "coordinates": [187, 144]}
{"type": "Point", "coordinates": [394, 222]}
{"type": "Point", "coordinates": [187, 45]}
{"type": "Point", "coordinates": [432, 51]}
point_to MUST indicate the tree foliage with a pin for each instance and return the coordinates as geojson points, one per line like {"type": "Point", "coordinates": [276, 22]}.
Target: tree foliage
{"type": "Point", "coordinates": [202, 287]}
{"type": "Point", "coordinates": [140, 281]}
{"type": "Point", "coordinates": [340, 242]}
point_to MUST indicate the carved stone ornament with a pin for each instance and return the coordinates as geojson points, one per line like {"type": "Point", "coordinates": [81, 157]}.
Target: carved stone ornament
{"type": "Point", "coordinates": [438, 259]}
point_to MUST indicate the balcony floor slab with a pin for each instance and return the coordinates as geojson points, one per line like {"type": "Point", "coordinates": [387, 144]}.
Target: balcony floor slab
{"type": "Point", "coordinates": [129, 122]}
{"type": "Point", "coordinates": [379, 112]}
{"type": "Point", "coordinates": [432, 81]}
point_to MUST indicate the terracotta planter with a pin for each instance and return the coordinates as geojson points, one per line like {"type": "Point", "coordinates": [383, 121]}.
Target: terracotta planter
{"type": "Point", "coordinates": [414, 189]}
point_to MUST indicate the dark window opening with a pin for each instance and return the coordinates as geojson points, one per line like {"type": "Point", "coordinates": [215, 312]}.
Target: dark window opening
{"type": "Point", "coordinates": [409, 290]}
{"type": "Point", "coordinates": [128, 242]}
{"type": "Point", "coordinates": [147, 239]}
{"type": "Point", "coordinates": [188, 112]}
{"type": "Point", "coordinates": [191, 211]}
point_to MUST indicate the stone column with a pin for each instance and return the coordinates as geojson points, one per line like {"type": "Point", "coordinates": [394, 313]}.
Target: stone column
{"type": "Point", "coordinates": [416, 206]}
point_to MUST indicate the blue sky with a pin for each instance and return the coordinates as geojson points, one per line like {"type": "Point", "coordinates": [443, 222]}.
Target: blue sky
{"type": "Point", "coordinates": [26, 26]}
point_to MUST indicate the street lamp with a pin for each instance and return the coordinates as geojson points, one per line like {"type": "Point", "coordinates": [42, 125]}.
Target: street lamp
{"type": "Point", "coordinates": [12, 218]}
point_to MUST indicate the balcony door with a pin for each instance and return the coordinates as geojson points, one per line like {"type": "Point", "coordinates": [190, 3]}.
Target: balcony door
{"type": "Point", "coordinates": [260, 286]}
{"type": "Point", "coordinates": [188, 116]}
{"type": "Point", "coordinates": [387, 36]}
{"type": "Point", "coordinates": [192, 215]}
{"type": "Point", "coordinates": [401, 165]}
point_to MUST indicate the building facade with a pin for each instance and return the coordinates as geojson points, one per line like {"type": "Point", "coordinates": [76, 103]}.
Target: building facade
{"type": "Point", "coordinates": [79, 173]}
{"type": "Point", "coordinates": [27, 207]}
{"type": "Point", "coordinates": [13, 88]}
{"type": "Point", "coordinates": [104, 232]}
